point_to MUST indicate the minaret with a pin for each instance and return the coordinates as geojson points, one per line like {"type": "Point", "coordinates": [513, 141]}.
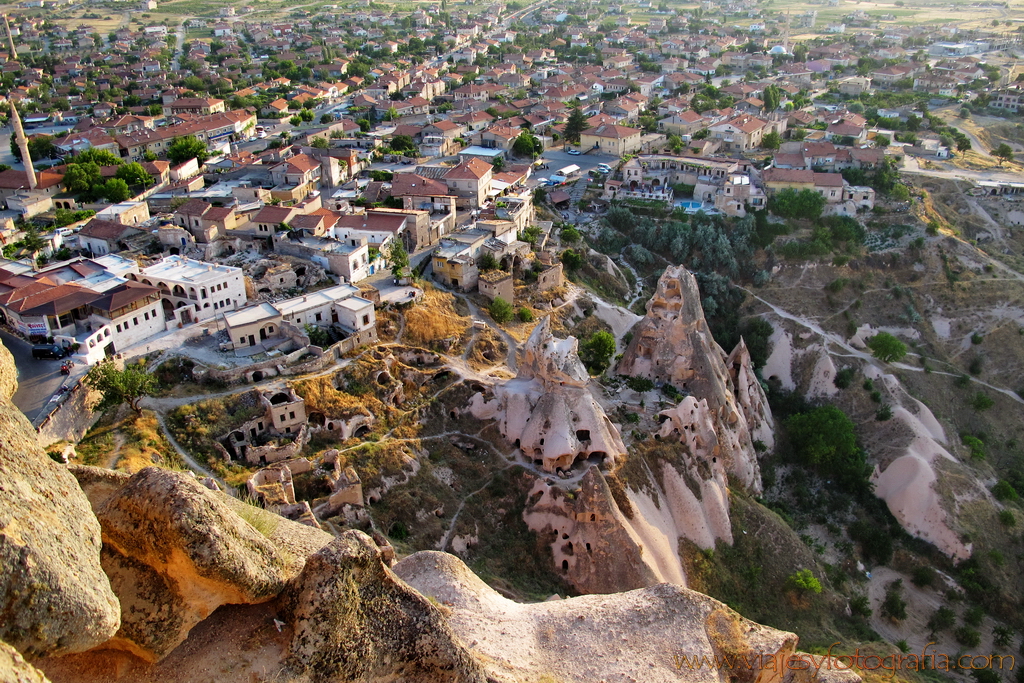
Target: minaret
{"type": "Point", "coordinates": [19, 136]}
{"type": "Point", "coordinates": [10, 39]}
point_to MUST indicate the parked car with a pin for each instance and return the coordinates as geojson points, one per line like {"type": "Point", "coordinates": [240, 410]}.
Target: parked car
{"type": "Point", "coordinates": [48, 351]}
{"type": "Point", "coordinates": [575, 152]}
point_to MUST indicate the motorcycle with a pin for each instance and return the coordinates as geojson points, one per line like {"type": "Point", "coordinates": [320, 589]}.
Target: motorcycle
{"type": "Point", "coordinates": [65, 368]}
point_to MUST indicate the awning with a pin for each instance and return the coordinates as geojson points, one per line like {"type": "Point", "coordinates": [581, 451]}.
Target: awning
{"type": "Point", "coordinates": [559, 196]}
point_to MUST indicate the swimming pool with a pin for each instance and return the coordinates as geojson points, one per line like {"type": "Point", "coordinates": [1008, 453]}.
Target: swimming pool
{"type": "Point", "coordinates": [689, 205]}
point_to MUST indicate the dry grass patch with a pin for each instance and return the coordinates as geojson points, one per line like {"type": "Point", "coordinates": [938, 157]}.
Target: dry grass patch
{"type": "Point", "coordinates": [434, 319]}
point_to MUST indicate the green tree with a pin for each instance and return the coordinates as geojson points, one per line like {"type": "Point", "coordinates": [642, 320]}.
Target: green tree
{"type": "Point", "coordinates": [1004, 152]}
{"type": "Point", "coordinates": [129, 385]}
{"type": "Point", "coordinates": [525, 315]}
{"type": "Point", "coordinates": [187, 147]}
{"type": "Point", "coordinates": [894, 606]}
{"type": "Point", "coordinates": [596, 353]}
{"type": "Point", "coordinates": [576, 124]}
{"type": "Point", "coordinates": [320, 143]}
{"type": "Point", "coordinates": [115, 190]}
{"type": "Point", "coordinates": [500, 310]}
{"type": "Point", "coordinates": [81, 178]}
{"type": "Point", "coordinates": [100, 157]}
{"type": "Point", "coordinates": [772, 98]}
{"type": "Point", "coordinates": [572, 260]}
{"type": "Point", "coordinates": [803, 581]}
{"type": "Point", "coordinates": [886, 347]}
{"type": "Point", "coordinates": [525, 145]}
{"type": "Point", "coordinates": [963, 145]}
{"type": "Point", "coordinates": [882, 141]}
{"type": "Point", "coordinates": [133, 174]}
{"type": "Point", "coordinates": [487, 262]}
{"type": "Point", "coordinates": [771, 140]}
{"type": "Point", "coordinates": [391, 114]}
{"type": "Point", "coordinates": [398, 257]}
{"type": "Point", "coordinates": [403, 143]}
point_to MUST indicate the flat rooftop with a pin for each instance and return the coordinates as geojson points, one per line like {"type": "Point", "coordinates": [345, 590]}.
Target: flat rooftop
{"type": "Point", "coordinates": [181, 269]}
{"type": "Point", "coordinates": [251, 314]}
{"type": "Point", "coordinates": [316, 299]}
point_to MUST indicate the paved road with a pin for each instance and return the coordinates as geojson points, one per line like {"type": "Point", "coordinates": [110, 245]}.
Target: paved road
{"type": "Point", "coordinates": [37, 379]}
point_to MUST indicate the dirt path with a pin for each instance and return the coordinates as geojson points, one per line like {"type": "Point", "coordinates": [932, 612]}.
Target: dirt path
{"type": "Point", "coordinates": [852, 352]}
{"type": "Point", "coordinates": [187, 457]}
{"type": "Point", "coordinates": [115, 453]}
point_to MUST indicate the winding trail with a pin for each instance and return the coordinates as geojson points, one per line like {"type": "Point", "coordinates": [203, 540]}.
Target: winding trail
{"type": "Point", "coordinates": [187, 457]}
{"type": "Point", "coordinates": [867, 357]}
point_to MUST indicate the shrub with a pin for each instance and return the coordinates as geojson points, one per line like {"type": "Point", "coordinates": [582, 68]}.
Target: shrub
{"type": "Point", "coordinates": [894, 606]}
{"type": "Point", "coordinates": [974, 615]}
{"type": "Point", "coordinates": [500, 310]}
{"type": "Point", "coordinates": [525, 315]}
{"type": "Point", "coordinates": [923, 576]}
{"type": "Point", "coordinates": [596, 353]}
{"type": "Point", "coordinates": [976, 445]}
{"type": "Point", "coordinates": [1004, 491]}
{"type": "Point", "coordinates": [976, 365]}
{"type": "Point", "coordinates": [944, 618]}
{"type": "Point", "coordinates": [1006, 518]}
{"type": "Point", "coordinates": [875, 541]}
{"type": "Point", "coordinates": [977, 338]}
{"type": "Point", "coordinates": [640, 384]}
{"type": "Point", "coordinates": [844, 378]}
{"type": "Point", "coordinates": [836, 285]}
{"type": "Point", "coordinates": [803, 582]}
{"type": "Point", "coordinates": [967, 636]}
{"type": "Point", "coordinates": [884, 413]}
{"type": "Point", "coordinates": [886, 347]}
{"type": "Point", "coordinates": [981, 401]}
{"type": "Point", "coordinates": [860, 606]}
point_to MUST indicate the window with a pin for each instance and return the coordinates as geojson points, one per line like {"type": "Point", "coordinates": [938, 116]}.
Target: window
{"type": "Point", "coordinates": [145, 316]}
{"type": "Point", "coordinates": [318, 317]}
{"type": "Point", "coordinates": [118, 328]}
{"type": "Point", "coordinates": [366, 319]}
{"type": "Point", "coordinates": [291, 415]}
{"type": "Point", "coordinates": [241, 340]}
{"type": "Point", "coordinates": [136, 321]}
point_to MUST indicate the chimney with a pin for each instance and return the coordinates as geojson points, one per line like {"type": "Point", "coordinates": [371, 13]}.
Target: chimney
{"type": "Point", "coordinates": [19, 135]}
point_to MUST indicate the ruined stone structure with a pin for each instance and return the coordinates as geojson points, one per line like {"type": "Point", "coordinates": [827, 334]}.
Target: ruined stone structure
{"type": "Point", "coordinates": [548, 411]}
{"type": "Point", "coordinates": [673, 345]}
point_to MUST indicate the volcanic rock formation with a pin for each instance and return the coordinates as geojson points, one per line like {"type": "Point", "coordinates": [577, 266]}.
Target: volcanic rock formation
{"type": "Point", "coordinates": [547, 410]}
{"type": "Point", "coordinates": [673, 344]}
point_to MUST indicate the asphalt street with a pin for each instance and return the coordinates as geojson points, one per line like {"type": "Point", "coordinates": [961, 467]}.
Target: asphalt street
{"type": "Point", "coordinates": [37, 379]}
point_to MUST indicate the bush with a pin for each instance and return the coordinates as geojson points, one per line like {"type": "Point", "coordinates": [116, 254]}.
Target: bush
{"type": "Point", "coordinates": [981, 401]}
{"type": "Point", "coordinates": [500, 310]}
{"type": "Point", "coordinates": [844, 378]}
{"type": "Point", "coordinates": [1004, 491]}
{"type": "Point", "coordinates": [944, 618]}
{"type": "Point", "coordinates": [596, 353]}
{"type": "Point", "coordinates": [967, 636]}
{"type": "Point", "coordinates": [974, 615]}
{"type": "Point", "coordinates": [640, 384]}
{"type": "Point", "coordinates": [803, 582]}
{"type": "Point", "coordinates": [976, 446]}
{"type": "Point", "coordinates": [875, 541]}
{"type": "Point", "coordinates": [884, 413]}
{"type": "Point", "coordinates": [894, 606]}
{"type": "Point", "coordinates": [824, 438]}
{"type": "Point", "coordinates": [887, 348]}
{"type": "Point", "coordinates": [860, 606]}
{"type": "Point", "coordinates": [1006, 518]}
{"type": "Point", "coordinates": [923, 576]}
{"type": "Point", "coordinates": [976, 365]}
{"type": "Point", "coordinates": [525, 315]}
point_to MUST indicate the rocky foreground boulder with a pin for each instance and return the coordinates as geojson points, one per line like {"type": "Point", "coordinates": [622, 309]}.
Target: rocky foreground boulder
{"type": "Point", "coordinates": [54, 596]}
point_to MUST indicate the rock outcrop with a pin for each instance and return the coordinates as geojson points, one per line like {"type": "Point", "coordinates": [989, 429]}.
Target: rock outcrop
{"type": "Point", "coordinates": [548, 411]}
{"type": "Point", "coordinates": [673, 344]}
{"type": "Point", "coordinates": [14, 668]}
{"type": "Point", "coordinates": [599, 637]}
{"type": "Point", "coordinates": [55, 598]}
{"type": "Point", "coordinates": [594, 546]}
{"type": "Point", "coordinates": [175, 552]}
{"type": "Point", "coordinates": [353, 619]}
